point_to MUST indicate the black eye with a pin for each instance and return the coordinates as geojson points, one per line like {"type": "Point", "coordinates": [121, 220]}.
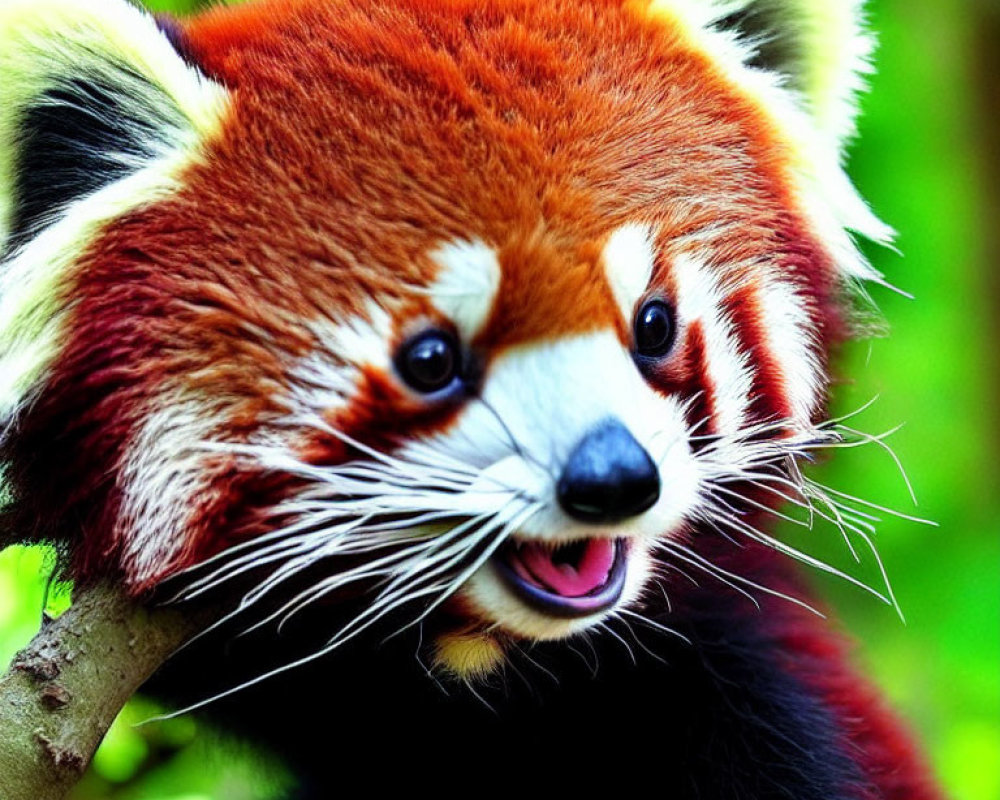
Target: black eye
{"type": "Point", "coordinates": [654, 329]}
{"type": "Point", "coordinates": [429, 362]}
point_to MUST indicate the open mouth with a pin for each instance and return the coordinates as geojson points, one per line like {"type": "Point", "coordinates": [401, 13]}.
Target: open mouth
{"type": "Point", "coordinates": [572, 580]}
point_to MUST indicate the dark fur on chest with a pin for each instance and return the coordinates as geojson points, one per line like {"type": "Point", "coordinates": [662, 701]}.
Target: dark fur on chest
{"type": "Point", "coordinates": [729, 716]}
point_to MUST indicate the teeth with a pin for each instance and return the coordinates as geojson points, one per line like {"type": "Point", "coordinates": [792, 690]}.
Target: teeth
{"type": "Point", "coordinates": [569, 555]}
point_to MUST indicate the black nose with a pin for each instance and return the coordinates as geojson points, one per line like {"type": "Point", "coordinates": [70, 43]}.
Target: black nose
{"type": "Point", "coordinates": [608, 476]}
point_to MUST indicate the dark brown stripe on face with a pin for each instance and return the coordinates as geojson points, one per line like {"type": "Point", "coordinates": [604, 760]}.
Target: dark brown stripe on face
{"type": "Point", "coordinates": [768, 399]}
{"type": "Point", "coordinates": [686, 377]}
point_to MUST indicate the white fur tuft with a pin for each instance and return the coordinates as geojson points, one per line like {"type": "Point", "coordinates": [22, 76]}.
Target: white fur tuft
{"type": "Point", "coordinates": [163, 481]}
{"type": "Point", "coordinates": [629, 259]}
{"type": "Point", "coordinates": [812, 126]}
{"type": "Point", "coordinates": [699, 299]}
{"type": "Point", "coordinates": [467, 285]}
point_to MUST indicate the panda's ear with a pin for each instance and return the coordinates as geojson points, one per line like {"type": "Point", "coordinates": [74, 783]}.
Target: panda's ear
{"type": "Point", "coordinates": [820, 47]}
{"type": "Point", "coordinates": [91, 91]}
{"type": "Point", "coordinates": [801, 63]}
{"type": "Point", "coordinates": [99, 115]}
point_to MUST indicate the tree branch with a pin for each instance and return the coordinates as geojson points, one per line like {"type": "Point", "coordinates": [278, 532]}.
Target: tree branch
{"type": "Point", "coordinates": [64, 690]}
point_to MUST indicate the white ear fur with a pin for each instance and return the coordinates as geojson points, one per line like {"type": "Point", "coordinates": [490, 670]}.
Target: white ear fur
{"type": "Point", "coordinates": [820, 46]}
{"type": "Point", "coordinates": [801, 62]}
{"type": "Point", "coordinates": [45, 43]}
{"type": "Point", "coordinates": [67, 58]}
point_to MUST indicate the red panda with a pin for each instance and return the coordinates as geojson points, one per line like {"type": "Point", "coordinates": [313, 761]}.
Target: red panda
{"type": "Point", "coordinates": [479, 326]}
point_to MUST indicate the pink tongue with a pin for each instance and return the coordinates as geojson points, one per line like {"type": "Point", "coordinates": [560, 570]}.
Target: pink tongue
{"type": "Point", "coordinates": [568, 580]}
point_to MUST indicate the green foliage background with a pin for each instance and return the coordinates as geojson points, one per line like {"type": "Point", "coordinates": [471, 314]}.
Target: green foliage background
{"type": "Point", "coordinates": [928, 160]}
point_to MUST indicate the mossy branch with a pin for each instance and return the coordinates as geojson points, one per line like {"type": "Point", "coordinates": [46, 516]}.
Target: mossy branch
{"type": "Point", "coordinates": [63, 691]}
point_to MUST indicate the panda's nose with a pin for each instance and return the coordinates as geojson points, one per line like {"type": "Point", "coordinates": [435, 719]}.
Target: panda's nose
{"type": "Point", "coordinates": [608, 477]}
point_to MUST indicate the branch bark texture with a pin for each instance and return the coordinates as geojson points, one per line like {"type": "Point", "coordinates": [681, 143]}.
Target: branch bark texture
{"type": "Point", "coordinates": [64, 690]}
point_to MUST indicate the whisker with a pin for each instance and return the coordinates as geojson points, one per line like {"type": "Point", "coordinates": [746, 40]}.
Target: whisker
{"type": "Point", "coordinates": [617, 617]}
{"type": "Point", "coordinates": [591, 668]}
{"type": "Point", "coordinates": [508, 528]}
{"type": "Point", "coordinates": [805, 558]}
{"type": "Point", "coordinates": [511, 663]}
{"type": "Point", "coordinates": [731, 579]}
{"type": "Point", "coordinates": [766, 457]}
{"type": "Point", "coordinates": [656, 625]}
{"type": "Point", "coordinates": [420, 552]}
{"type": "Point", "coordinates": [876, 506]}
{"type": "Point", "coordinates": [537, 665]}
{"type": "Point", "coordinates": [514, 443]}
{"type": "Point", "coordinates": [609, 630]}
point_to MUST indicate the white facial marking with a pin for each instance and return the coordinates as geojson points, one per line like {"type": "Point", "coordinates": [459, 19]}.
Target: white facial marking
{"type": "Point", "coordinates": [327, 379]}
{"type": "Point", "coordinates": [629, 258]}
{"type": "Point", "coordinates": [787, 330]}
{"type": "Point", "coordinates": [699, 299]}
{"type": "Point", "coordinates": [163, 481]}
{"type": "Point", "coordinates": [548, 396]}
{"type": "Point", "coordinates": [467, 285]}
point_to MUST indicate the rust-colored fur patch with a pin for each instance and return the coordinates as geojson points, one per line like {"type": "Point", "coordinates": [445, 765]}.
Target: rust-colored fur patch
{"type": "Point", "coordinates": [361, 136]}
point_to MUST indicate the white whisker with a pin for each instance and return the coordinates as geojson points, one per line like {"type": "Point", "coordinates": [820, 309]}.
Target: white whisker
{"type": "Point", "coordinates": [653, 624]}
{"type": "Point", "coordinates": [610, 631]}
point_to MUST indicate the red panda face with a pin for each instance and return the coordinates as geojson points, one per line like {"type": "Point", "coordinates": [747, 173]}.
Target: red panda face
{"type": "Point", "coordinates": [501, 297]}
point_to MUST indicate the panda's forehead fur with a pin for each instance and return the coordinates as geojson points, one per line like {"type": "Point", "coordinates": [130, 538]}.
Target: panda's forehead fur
{"type": "Point", "coordinates": [365, 154]}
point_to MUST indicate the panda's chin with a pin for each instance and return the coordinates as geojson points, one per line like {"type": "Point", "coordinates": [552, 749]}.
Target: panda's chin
{"type": "Point", "coordinates": [539, 591]}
